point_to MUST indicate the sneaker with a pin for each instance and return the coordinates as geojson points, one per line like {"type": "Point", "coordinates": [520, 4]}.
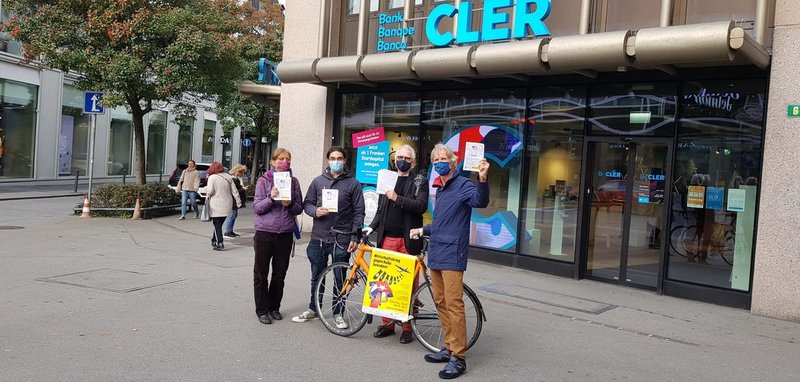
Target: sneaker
{"type": "Point", "coordinates": [454, 368]}
{"type": "Point", "coordinates": [182, 218]}
{"type": "Point", "coordinates": [440, 357]}
{"type": "Point", "coordinates": [305, 316]}
{"type": "Point", "coordinates": [229, 234]}
{"type": "Point", "coordinates": [339, 323]}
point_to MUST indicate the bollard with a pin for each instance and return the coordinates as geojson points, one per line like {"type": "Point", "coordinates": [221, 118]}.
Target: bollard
{"type": "Point", "coordinates": [77, 174]}
{"type": "Point", "coordinates": [160, 173]}
{"type": "Point", "coordinates": [123, 177]}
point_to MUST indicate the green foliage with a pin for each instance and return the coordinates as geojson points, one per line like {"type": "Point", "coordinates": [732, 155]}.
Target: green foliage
{"type": "Point", "coordinates": [124, 196]}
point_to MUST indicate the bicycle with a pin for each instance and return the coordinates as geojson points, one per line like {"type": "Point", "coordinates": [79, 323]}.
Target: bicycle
{"type": "Point", "coordinates": [350, 279]}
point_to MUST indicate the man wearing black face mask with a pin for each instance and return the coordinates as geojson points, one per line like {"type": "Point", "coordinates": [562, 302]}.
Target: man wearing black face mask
{"type": "Point", "coordinates": [399, 211]}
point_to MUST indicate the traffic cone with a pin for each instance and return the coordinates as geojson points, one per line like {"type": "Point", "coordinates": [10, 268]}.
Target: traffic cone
{"type": "Point", "coordinates": [87, 208]}
{"type": "Point", "coordinates": [137, 211]}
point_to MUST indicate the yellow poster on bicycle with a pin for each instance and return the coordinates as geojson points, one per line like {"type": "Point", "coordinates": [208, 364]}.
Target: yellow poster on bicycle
{"type": "Point", "coordinates": [390, 283]}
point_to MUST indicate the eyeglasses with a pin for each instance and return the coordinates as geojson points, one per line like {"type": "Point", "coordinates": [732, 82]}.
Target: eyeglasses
{"type": "Point", "coordinates": [407, 159]}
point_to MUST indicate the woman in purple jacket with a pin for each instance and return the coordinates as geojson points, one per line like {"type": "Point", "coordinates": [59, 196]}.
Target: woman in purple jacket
{"type": "Point", "coordinates": [275, 225]}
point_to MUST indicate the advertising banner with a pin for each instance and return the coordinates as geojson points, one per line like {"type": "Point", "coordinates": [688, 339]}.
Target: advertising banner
{"type": "Point", "coordinates": [369, 160]}
{"type": "Point", "coordinates": [368, 137]}
{"type": "Point", "coordinates": [696, 197]}
{"type": "Point", "coordinates": [714, 198]}
{"type": "Point", "coordinates": [65, 145]}
{"type": "Point", "coordinates": [390, 284]}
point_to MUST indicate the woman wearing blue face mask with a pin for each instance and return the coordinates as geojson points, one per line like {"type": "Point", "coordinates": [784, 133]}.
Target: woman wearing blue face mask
{"type": "Point", "coordinates": [456, 196]}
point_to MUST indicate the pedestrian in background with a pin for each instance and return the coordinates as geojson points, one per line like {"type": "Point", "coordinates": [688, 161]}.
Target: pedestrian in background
{"type": "Point", "coordinates": [221, 194]}
{"type": "Point", "coordinates": [237, 172]}
{"type": "Point", "coordinates": [448, 245]}
{"type": "Point", "coordinates": [275, 224]}
{"type": "Point", "coordinates": [188, 185]}
{"type": "Point", "coordinates": [399, 211]}
{"type": "Point", "coordinates": [348, 218]}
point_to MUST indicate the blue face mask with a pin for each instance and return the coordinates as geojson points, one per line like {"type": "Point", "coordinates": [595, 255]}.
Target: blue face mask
{"type": "Point", "coordinates": [442, 168]}
{"type": "Point", "coordinates": [336, 166]}
{"type": "Point", "coordinates": [403, 165]}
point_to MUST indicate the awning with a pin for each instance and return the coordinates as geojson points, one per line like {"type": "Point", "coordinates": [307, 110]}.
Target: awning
{"type": "Point", "coordinates": [667, 48]}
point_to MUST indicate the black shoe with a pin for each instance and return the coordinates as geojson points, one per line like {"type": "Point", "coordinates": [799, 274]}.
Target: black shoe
{"type": "Point", "coordinates": [276, 315]}
{"type": "Point", "coordinates": [406, 338]}
{"type": "Point", "coordinates": [383, 331]}
{"type": "Point", "coordinates": [228, 234]}
{"type": "Point", "coordinates": [440, 357]}
{"type": "Point", "coordinates": [265, 319]}
{"type": "Point", "coordinates": [455, 367]}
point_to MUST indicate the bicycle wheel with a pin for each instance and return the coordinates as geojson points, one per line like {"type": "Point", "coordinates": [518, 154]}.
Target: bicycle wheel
{"type": "Point", "coordinates": [426, 325]}
{"type": "Point", "coordinates": [682, 240]}
{"type": "Point", "coordinates": [343, 300]}
{"type": "Point", "coordinates": [728, 249]}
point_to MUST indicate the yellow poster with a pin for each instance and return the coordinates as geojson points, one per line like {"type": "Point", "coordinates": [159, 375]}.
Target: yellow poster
{"type": "Point", "coordinates": [695, 198]}
{"type": "Point", "coordinates": [389, 284]}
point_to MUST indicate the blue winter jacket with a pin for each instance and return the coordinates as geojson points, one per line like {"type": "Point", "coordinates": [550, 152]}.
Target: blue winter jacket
{"type": "Point", "coordinates": [449, 232]}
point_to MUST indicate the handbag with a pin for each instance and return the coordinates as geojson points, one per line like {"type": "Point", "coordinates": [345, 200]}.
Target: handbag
{"type": "Point", "coordinates": [204, 215]}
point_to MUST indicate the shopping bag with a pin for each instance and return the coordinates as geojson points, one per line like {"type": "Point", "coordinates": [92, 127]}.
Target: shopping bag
{"type": "Point", "coordinates": [204, 214]}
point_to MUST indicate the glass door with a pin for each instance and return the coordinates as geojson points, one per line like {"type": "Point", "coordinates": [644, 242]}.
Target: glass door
{"type": "Point", "coordinates": [626, 213]}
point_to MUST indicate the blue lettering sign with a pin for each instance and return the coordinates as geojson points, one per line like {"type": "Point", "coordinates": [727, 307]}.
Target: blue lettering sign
{"type": "Point", "coordinates": [714, 197]}
{"type": "Point", "coordinates": [492, 16]}
{"type": "Point", "coordinates": [656, 177]}
{"type": "Point", "coordinates": [609, 174]}
{"type": "Point", "coordinates": [401, 32]}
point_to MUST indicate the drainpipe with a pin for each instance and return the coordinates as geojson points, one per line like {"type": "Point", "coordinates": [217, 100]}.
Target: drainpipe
{"type": "Point", "coordinates": [324, 29]}
{"type": "Point", "coordinates": [666, 13]}
{"type": "Point", "coordinates": [761, 21]}
{"type": "Point", "coordinates": [585, 14]}
{"type": "Point", "coordinates": [363, 20]}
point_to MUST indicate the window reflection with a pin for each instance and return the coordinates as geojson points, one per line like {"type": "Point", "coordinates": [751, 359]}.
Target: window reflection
{"type": "Point", "coordinates": [185, 133]}
{"type": "Point", "coordinates": [73, 140]}
{"type": "Point", "coordinates": [18, 104]}
{"type": "Point", "coordinates": [156, 141]}
{"type": "Point", "coordinates": [633, 109]}
{"type": "Point", "coordinates": [120, 144]}
{"type": "Point", "coordinates": [207, 154]}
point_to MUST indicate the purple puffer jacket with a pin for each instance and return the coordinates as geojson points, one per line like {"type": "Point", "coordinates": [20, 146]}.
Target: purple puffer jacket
{"type": "Point", "coordinates": [271, 215]}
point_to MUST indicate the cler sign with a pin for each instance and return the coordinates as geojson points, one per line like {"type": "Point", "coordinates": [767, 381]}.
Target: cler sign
{"type": "Point", "coordinates": [466, 33]}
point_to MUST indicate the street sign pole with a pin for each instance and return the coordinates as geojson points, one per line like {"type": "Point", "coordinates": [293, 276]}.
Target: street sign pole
{"type": "Point", "coordinates": [92, 106]}
{"type": "Point", "coordinates": [93, 127]}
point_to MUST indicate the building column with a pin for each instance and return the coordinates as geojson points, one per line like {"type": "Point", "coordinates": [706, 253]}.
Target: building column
{"type": "Point", "coordinates": [776, 279]}
{"type": "Point", "coordinates": [306, 111]}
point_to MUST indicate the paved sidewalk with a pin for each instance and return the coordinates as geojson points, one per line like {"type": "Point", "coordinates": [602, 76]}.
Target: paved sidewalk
{"type": "Point", "coordinates": [113, 299]}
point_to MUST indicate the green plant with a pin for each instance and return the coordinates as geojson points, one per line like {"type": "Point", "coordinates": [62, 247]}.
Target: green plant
{"type": "Point", "coordinates": [124, 196]}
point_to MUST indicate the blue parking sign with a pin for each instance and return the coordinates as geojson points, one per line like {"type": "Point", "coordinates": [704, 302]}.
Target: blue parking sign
{"type": "Point", "coordinates": [91, 103]}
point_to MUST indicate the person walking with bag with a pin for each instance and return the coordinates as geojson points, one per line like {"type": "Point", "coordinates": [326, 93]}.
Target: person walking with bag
{"type": "Point", "coordinates": [221, 194]}
{"type": "Point", "coordinates": [275, 225]}
{"type": "Point", "coordinates": [455, 198]}
{"type": "Point", "coordinates": [188, 185]}
{"type": "Point", "coordinates": [236, 175]}
{"type": "Point", "coordinates": [399, 211]}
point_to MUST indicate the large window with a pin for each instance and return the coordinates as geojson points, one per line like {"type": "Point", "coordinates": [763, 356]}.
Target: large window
{"type": "Point", "coordinates": [18, 104]}
{"type": "Point", "coordinates": [156, 141]}
{"type": "Point", "coordinates": [207, 153]}
{"type": "Point", "coordinates": [120, 142]}
{"type": "Point", "coordinates": [716, 180]}
{"type": "Point", "coordinates": [553, 151]}
{"type": "Point", "coordinates": [73, 141]}
{"type": "Point", "coordinates": [646, 109]}
{"type": "Point", "coordinates": [496, 118]}
{"type": "Point", "coordinates": [185, 133]}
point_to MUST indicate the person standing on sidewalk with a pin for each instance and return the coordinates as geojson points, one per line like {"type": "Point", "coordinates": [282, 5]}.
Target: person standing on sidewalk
{"type": "Point", "coordinates": [456, 196]}
{"type": "Point", "coordinates": [237, 172]}
{"type": "Point", "coordinates": [275, 225]}
{"type": "Point", "coordinates": [188, 185]}
{"type": "Point", "coordinates": [221, 194]}
{"type": "Point", "coordinates": [348, 218]}
{"type": "Point", "coordinates": [399, 211]}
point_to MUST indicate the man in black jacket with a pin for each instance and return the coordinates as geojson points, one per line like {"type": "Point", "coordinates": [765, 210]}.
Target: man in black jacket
{"type": "Point", "coordinates": [399, 211]}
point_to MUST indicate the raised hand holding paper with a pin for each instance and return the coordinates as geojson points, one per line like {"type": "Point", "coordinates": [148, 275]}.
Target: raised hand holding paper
{"type": "Point", "coordinates": [330, 200]}
{"type": "Point", "coordinates": [283, 182]}
{"type": "Point", "coordinates": [473, 153]}
{"type": "Point", "coordinates": [386, 181]}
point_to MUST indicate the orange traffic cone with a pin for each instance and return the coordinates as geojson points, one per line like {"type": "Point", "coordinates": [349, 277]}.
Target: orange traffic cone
{"type": "Point", "coordinates": [137, 211]}
{"type": "Point", "coordinates": [87, 208]}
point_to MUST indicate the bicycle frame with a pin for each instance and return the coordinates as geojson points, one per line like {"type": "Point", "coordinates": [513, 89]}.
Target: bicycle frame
{"type": "Point", "coordinates": [361, 262]}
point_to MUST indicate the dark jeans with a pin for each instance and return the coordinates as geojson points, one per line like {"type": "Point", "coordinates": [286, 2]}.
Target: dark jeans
{"type": "Point", "coordinates": [275, 248]}
{"type": "Point", "coordinates": [318, 253]}
{"type": "Point", "coordinates": [216, 238]}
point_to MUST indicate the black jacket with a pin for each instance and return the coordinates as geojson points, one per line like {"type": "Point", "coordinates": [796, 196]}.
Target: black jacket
{"type": "Point", "coordinates": [350, 217]}
{"type": "Point", "coordinates": [413, 200]}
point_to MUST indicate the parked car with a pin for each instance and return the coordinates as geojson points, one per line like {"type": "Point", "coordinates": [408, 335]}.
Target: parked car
{"type": "Point", "coordinates": [176, 174]}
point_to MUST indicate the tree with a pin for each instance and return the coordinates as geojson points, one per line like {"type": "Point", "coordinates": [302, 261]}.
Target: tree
{"type": "Point", "coordinates": [145, 53]}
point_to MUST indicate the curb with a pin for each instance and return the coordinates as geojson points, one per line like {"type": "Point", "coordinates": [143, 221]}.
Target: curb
{"type": "Point", "coordinates": [39, 196]}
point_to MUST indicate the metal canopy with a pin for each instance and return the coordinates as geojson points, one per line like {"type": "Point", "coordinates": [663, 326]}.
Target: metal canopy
{"type": "Point", "coordinates": [719, 43]}
{"type": "Point", "coordinates": [269, 95]}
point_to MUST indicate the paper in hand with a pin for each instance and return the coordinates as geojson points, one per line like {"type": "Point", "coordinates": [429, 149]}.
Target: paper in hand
{"type": "Point", "coordinates": [386, 181]}
{"type": "Point", "coordinates": [330, 200]}
{"type": "Point", "coordinates": [473, 153]}
{"type": "Point", "coordinates": [283, 182]}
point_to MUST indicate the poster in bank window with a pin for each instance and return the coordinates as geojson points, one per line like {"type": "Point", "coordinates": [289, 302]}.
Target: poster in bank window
{"type": "Point", "coordinates": [389, 284]}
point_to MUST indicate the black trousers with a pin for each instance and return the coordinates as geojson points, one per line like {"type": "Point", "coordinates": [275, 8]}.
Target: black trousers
{"type": "Point", "coordinates": [275, 248]}
{"type": "Point", "coordinates": [217, 237]}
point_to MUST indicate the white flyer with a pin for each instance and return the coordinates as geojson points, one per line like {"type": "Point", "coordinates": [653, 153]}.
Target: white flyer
{"type": "Point", "coordinates": [473, 153]}
{"type": "Point", "coordinates": [283, 182]}
{"type": "Point", "coordinates": [737, 198]}
{"type": "Point", "coordinates": [386, 181]}
{"type": "Point", "coordinates": [330, 200]}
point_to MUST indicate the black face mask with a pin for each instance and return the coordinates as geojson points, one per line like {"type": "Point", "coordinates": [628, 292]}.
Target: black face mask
{"type": "Point", "coordinates": [403, 165]}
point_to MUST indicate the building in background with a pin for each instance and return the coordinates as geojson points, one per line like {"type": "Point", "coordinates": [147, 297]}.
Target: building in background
{"type": "Point", "coordinates": [645, 143]}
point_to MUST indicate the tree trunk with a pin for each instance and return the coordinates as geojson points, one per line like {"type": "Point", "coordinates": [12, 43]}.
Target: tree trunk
{"type": "Point", "coordinates": [138, 134]}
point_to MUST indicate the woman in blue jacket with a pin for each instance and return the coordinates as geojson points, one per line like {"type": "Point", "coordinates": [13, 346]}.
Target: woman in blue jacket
{"type": "Point", "coordinates": [456, 196]}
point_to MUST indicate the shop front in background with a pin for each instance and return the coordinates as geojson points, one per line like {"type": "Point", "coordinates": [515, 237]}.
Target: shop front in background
{"type": "Point", "coordinates": [598, 179]}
